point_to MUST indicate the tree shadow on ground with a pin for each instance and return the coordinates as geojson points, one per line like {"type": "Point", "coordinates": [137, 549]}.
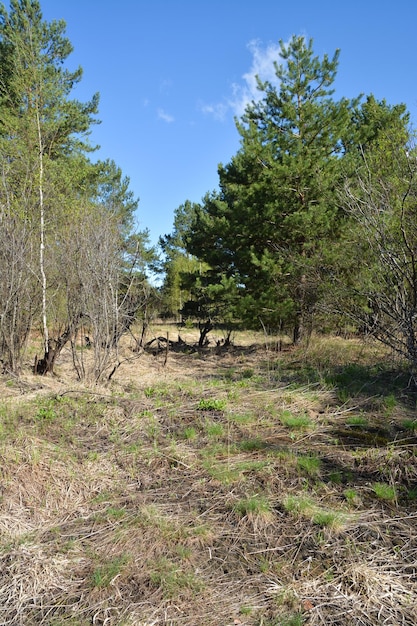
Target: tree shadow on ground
{"type": "Point", "coordinates": [352, 380]}
{"type": "Point", "coordinates": [371, 380]}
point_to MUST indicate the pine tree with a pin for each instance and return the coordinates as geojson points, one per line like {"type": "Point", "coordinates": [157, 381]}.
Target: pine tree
{"type": "Point", "coordinates": [277, 214]}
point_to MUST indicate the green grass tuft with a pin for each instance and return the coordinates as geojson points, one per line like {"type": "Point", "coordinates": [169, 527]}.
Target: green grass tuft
{"type": "Point", "coordinates": [309, 464]}
{"type": "Point", "coordinates": [256, 505]}
{"type": "Point", "coordinates": [294, 421]}
{"type": "Point", "coordinates": [383, 491]}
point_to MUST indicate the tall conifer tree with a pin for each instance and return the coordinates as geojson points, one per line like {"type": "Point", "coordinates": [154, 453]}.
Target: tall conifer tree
{"type": "Point", "coordinates": [277, 212]}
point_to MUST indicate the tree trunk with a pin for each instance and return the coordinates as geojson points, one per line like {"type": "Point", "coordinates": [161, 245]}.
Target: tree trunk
{"type": "Point", "coordinates": [46, 364]}
{"type": "Point", "coordinates": [297, 330]}
{"type": "Point", "coordinates": [204, 331]}
{"type": "Point", "coordinates": [303, 324]}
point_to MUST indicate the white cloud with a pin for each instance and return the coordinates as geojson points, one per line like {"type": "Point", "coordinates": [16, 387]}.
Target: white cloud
{"type": "Point", "coordinates": [243, 93]}
{"type": "Point", "coordinates": [263, 60]}
{"type": "Point", "coordinates": [166, 117]}
{"type": "Point", "coordinates": [218, 111]}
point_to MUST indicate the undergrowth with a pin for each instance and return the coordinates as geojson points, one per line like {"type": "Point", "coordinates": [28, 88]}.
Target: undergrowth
{"type": "Point", "coordinates": [247, 486]}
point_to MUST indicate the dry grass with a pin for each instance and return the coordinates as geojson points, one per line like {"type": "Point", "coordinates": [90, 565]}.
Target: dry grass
{"type": "Point", "coordinates": [224, 487]}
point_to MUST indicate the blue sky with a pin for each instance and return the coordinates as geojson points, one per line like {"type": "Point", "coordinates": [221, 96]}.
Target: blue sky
{"type": "Point", "coordinates": [173, 74]}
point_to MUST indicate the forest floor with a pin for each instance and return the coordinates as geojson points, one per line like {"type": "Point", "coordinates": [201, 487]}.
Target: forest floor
{"type": "Point", "coordinates": [257, 485]}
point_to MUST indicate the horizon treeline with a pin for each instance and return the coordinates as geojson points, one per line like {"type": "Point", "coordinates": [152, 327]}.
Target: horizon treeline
{"type": "Point", "coordinates": [313, 226]}
{"type": "Point", "coordinates": [71, 264]}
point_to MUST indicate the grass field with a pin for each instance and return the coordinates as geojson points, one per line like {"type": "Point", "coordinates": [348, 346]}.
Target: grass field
{"type": "Point", "coordinates": [248, 486]}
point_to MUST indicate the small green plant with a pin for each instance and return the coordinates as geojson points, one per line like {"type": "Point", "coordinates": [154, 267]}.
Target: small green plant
{"type": "Point", "coordinates": [155, 392]}
{"type": "Point", "coordinates": [390, 402]}
{"type": "Point", "coordinates": [150, 392]}
{"type": "Point", "coordinates": [216, 450]}
{"type": "Point", "coordinates": [46, 413]}
{"type": "Point", "coordinates": [335, 477]}
{"type": "Point", "coordinates": [106, 572]}
{"type": "Point", "coordinates": [152, 427]}
{"type": "Point", "coordinates": [291, 620]}
{"type": "Point", "coordinates": [184, 552]}
{"type": "Point", "coordinates": [264, 565]}
{"type": "Point", "coordinates": [115, 512]}
{"type": "Point", "coordinates": [357, 420]}
{"type": "Point", "coordinates": [305, 507]}
{"type": "Point", "coordinates": [248, 372]}
{"type": "Point", "coordinates": [412, 495]}
{"type": "Point", "coordinates": [329, 575]}
{"type": "Point", "coordinates": [410, 424]}
{"type": "Point", "coordinates": [227, 473]}
{"type": "Point", "coordinates": [298, 504]}
{"type": "Point", "coordinates": [326, 518]}
{"type": "Point", "coordinates": [172, 579]}
{"type": "Point", "coordinates": [383, 491]}
{"type": "Point", "coordinates": [242, 418]}
{"type": "Point", "coordinates": [309, 464]}
{"type": "Point", "coordinates": [351, 496]}
{"type": "Point", "coordinates": [254, 506]}
{"type": "Point", "coordinates": [103, 496]}
{"type": "Point", "coordinates": [252, 466]}
{"type": "Point", "coordinates": [214, 429]}
{"type": "Point", "coordinates": [245, 610]}
{"type": "Point", "coordinates": [222, 472]}
{"type": "Point", "coordinates": [112, 513]}
{"type": "Point", "coordinates": [294, 421]}
{"type": "Point", "coordinates": [229, 374]}
{"type": "Point", "coordinates": [189, 433]}
{"type": "Point", "coordinates": [343, 395]}
{"type": "Point", "coordinates": [251, 445]}
{"type": "Point", "coordinates": [211, 404]}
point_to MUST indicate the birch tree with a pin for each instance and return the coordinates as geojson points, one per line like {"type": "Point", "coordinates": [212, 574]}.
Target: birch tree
{"type": "Point", "coordinates": [40, 129]}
